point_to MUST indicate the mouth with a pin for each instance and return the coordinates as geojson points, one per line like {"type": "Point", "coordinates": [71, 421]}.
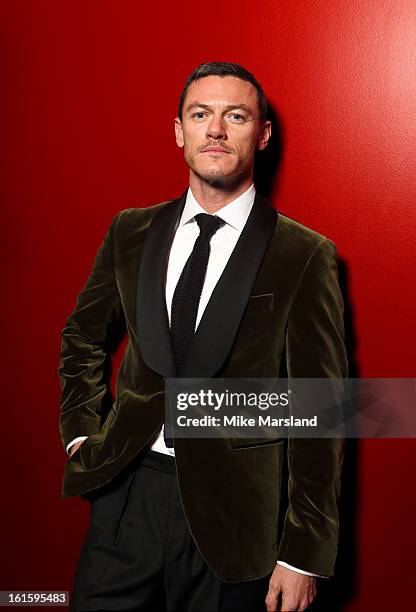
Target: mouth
{"type": "Point", "coordinates": [218, 150]}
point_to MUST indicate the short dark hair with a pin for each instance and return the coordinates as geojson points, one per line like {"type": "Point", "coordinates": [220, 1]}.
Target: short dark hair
{"type": "Point", "coordinates": [224, 69]}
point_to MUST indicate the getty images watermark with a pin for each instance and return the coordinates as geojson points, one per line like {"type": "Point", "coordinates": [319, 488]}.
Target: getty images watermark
{"type": "Point", "coordinates": [297, 407]}
{"type": "Point", "coordinates": [225, 402]}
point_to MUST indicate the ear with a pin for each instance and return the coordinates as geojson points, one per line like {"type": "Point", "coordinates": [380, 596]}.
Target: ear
{"type": "Point", "coordinates": [179, 132]}
{"type": "Point", "coordinates": [264, 135]}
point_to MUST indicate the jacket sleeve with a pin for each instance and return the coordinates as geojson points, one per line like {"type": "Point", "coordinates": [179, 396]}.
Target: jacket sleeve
{"type": "Point", "coordinates": [315, 349]}
{"type": "Point", "coordinates": [83, 347]}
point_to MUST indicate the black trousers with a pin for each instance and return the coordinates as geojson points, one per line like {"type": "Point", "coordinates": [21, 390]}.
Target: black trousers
{"type": "Point", "coordinates": [139, 555]}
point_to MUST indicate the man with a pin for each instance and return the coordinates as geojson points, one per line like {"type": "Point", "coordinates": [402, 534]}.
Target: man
{"type": "Point", "coordinates": [213, 284]}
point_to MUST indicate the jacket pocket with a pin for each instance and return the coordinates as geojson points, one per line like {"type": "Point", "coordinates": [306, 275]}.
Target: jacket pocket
{"type": "Point", "coordinates": [263, 302]}
{"type": "Point", "coordinates": [250, 443]}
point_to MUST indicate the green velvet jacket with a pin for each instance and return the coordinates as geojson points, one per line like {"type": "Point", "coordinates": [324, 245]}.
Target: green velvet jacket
{"type": "Point", "coordinates": [277, 298]}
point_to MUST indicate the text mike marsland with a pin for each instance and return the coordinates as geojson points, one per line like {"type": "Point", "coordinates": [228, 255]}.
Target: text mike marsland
{"type": "Point", "coordinates": [242, 421]}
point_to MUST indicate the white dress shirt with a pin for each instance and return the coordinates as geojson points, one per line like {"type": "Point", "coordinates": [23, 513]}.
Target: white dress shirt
{"type": "Point", "coordinates": [235, 215]}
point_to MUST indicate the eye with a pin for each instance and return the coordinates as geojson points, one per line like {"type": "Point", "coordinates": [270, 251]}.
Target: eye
{"type": "Point", "coordinates": [198, 115]}
{"type": "Point", "coordinates": [237, 117]}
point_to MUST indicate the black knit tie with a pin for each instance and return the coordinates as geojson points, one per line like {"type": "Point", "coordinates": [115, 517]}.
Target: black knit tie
{"type": "Point", "coordinates": [186, 297]}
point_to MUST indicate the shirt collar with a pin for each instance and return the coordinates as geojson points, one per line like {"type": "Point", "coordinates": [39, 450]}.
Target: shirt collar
{"type": "Point", "coordinates": [235, 213]}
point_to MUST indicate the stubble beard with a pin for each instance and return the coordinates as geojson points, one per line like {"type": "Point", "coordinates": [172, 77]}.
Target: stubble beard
{"type": "Point", "coordinates": [215, 177]}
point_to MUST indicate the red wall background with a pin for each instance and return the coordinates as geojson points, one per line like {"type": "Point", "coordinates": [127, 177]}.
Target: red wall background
{"type": "Point", "coordinates": [89, 93]}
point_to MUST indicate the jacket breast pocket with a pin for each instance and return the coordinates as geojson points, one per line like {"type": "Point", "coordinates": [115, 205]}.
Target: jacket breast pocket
{"type": "Point", "coordinates": [263, 302]}
{"type": "Point", "coordinates": [252, 443]}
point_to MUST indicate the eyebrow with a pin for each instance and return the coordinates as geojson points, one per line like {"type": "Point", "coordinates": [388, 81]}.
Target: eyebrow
{"type": "Point", "coordinates": [227, 108]}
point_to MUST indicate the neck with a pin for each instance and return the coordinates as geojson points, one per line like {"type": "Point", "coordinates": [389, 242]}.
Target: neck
{"type": "Point", "coordinates": [214, 195]}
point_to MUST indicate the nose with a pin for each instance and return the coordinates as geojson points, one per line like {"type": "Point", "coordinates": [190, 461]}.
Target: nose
{"type": "Point", "coordinates": [216, 127]}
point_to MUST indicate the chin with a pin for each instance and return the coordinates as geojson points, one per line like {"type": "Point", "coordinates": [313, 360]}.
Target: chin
{"type": "Point", "coordinates": [215, 179]}
{"type": "Point", "coordinates": [214, 172]}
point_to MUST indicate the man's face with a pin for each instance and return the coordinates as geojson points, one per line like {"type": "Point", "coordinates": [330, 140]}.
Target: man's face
{"type": "Point", "coordinates": [221, 129]}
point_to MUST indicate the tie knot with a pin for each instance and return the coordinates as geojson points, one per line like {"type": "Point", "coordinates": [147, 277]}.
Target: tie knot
{"type": "Point", "coordinates": [208, 224]}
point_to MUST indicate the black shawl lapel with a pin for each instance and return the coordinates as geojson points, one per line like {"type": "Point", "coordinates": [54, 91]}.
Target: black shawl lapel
{"type": "Point", "coordinates": [152, 317]}
{"type": "Point", "coordinates": [220, 321]}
